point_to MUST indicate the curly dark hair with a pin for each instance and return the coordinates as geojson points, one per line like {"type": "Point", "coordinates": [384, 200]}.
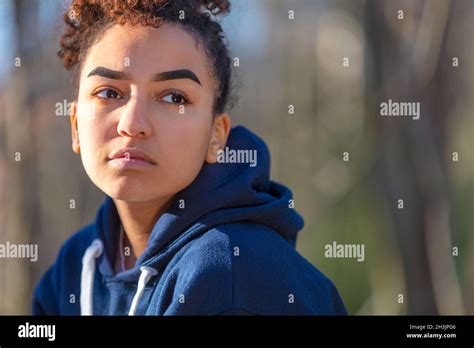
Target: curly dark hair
{"type": "Point", "coordinates": [86, 20]}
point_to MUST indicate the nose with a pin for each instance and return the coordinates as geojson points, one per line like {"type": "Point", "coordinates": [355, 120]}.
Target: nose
{"type": "Point", "coordinates": [134, 120]}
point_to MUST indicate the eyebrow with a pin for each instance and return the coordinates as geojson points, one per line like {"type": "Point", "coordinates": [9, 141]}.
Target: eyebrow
{"type": "Point", "coordinates": [177, 74]}
{"type": "Point", "coordinates": [162, 76]}
{"type": "Point", "coordinates": [110, 74]}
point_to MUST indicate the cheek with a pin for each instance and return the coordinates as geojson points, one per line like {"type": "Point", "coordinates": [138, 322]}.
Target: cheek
{"type": "Point", "coordinates": [92, 136]}
{"type": "Point", "coordinates": [185, 143]}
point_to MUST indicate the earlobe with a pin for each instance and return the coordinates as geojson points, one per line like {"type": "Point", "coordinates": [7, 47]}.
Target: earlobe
{"type": "Point", "coordinates": [74, 130]}
{"type": "Point", "coordinates": [220, 132]}
{"type": "Point", "coordinates": [213, 151]}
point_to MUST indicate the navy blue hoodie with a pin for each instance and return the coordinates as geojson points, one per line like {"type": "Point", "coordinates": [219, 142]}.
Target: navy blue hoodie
{"type": "Point", "coordinates": [229, 249]}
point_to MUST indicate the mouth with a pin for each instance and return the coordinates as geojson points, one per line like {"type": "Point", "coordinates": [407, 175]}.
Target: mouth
{"type": "Point", "coordinates": [130, 158]}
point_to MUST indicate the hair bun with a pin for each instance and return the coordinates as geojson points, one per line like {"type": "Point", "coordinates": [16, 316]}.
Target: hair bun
{"type": "Point", "coordinates": [216, 7]}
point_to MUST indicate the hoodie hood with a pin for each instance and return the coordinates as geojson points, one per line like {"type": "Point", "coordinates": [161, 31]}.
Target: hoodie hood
{"type": "Point", "coordinates": [221, 193]}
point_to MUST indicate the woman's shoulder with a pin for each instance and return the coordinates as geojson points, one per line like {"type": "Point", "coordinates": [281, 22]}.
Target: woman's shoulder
{"type": "Point", "coordinates": [261, 270]}
{"type": "Point", "coordinates": [78, 242]}
{"type": "Point", "coordinates": [54, 290]}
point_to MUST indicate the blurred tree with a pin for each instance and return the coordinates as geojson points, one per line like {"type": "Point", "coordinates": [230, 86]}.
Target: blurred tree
{"type": "Point", "coordinates": [21, 203]}
{"type": "Point", "coordinates": [409, 64]}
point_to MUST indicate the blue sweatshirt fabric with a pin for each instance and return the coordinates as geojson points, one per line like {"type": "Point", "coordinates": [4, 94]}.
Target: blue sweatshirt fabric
{"type": "Point", "coordinates": [226, 245]}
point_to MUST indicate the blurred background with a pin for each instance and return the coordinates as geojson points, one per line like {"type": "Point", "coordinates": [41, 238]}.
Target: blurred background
{"type": "Point", "coordinates": [310, 80]}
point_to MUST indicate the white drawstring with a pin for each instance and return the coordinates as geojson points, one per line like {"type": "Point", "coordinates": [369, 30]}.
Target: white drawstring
{"type": "Point", "coordinates": [87, 279]}
{"type": "Point", "coordinates": [147, 273]}
{"type": "Point", "coordinates": [87, 275]}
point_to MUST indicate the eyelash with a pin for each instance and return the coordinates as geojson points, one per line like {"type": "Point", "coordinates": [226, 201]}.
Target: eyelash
{"type": "Point", "coordinates": [168, 93]}
{"type": "Point", "coordinates": [175, 93]}
{"type": "Point", "coordinates": [96, 94]}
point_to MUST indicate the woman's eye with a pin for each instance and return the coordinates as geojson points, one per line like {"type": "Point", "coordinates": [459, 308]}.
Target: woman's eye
{"type": "Point", "coordinates": [174, 98]}
{"type": "Point", "coordinates": [108, 94]}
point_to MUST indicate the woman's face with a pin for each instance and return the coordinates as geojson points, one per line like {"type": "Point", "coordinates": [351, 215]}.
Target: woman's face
{"type": "Point", "coordinates": [143, 121]}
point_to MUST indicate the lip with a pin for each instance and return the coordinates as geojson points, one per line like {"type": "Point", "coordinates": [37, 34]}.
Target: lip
{"type": "Point", "coordinates": [129, 158]}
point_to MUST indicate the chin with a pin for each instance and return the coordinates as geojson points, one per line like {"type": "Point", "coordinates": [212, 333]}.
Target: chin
{"type": "Point", "coordinates": [136, 188]}
{"type": "Point", "coordinates": [129, 193]}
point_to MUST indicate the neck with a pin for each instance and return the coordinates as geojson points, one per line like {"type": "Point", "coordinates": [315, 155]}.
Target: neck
{"type": "Point", "coordinates": [138, 219]}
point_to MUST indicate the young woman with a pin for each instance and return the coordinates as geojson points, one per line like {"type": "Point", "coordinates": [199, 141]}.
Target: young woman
{"type": "Point", "coordinates": [184, 229]}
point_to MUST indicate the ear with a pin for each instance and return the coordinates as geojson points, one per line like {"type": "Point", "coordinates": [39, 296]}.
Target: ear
{"type": "Point", "coordinates": [220, 132]}
{"type": "Point", "coordinates": [74, 132]}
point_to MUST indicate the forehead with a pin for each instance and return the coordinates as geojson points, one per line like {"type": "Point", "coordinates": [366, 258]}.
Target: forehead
{"type": "Point", "coordinates": [144, 51]}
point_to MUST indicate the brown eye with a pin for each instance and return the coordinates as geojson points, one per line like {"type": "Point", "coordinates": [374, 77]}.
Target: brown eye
{"type": "Point", "coordinates": [174, 98]}
{"type": "Point", "coordinates": [108, 94]}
